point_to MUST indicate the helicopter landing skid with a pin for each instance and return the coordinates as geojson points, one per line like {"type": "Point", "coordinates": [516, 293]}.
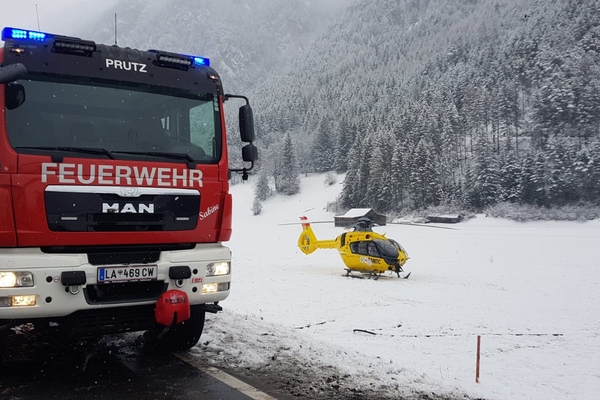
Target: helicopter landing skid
{"type": "Point", "coordinates": [369, 274]}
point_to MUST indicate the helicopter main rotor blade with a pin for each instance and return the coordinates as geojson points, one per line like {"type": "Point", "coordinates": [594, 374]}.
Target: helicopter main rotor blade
{"type": "Point", "coordinates": [307, 222]}
{"type": "Point", "coordinates": [370, 223]}
{"type": "Point", "coordinates": [423, 225]}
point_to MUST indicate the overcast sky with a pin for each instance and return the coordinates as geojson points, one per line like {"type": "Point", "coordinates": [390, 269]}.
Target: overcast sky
{"type": "Point", "coordinates": [64, 17]}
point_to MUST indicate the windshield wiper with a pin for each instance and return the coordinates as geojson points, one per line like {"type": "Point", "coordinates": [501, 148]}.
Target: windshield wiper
{"type": "Point", "coordinates": [175, 156]}
{"type": "Point", "coordinates": [87, 150]}
{"type": "Point", "coordinates": [111, 154]}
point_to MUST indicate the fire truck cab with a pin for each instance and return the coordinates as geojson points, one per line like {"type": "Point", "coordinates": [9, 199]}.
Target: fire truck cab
{"type": "Point", "coordinates": [114, 189]}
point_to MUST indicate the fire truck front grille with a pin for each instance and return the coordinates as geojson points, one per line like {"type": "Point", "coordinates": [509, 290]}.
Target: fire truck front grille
{"type": "Point", "coordinates": [110, 320]}
{"type": "Point", "coordinates": [126, 254]}
{"type": "Point", "coordinates": [153, 210]}
{"type": "Point", "coordinates": [133, 223]}
{"type": "Point", "coordinates": [133, 257]}
{"type": "Point", "coordinates": [111, 293]}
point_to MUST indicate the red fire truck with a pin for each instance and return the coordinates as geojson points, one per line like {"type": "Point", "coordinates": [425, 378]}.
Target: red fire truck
{"type": "Point", "coordinates": [114, 189]}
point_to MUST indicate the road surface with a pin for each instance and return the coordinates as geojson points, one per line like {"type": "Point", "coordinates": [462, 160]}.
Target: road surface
{"type": "Point", "coordinates": [112, 369]}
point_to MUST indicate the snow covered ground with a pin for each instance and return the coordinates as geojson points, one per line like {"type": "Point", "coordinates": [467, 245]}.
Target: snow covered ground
{"type": "Point", "coordinates": [531, 290]}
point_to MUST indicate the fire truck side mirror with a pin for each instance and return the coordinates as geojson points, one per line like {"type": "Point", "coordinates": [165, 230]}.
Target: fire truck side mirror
{"type": "Point", "coordinates": [246, 124]}
{"type": "Point", "coordinates": [15, 96]}
{"type": "Point", "coordinates": [12, 72]}
{"type": "Point", "coordinates": [249, 153]}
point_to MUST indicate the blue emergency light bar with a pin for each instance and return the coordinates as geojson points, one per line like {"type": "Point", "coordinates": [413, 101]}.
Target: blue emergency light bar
{"type": "Point", "coordinates": [180, 59]}
{"type": "Point", "coordinates": [201, 61]}
{"type": "Point", "coordinates": [24, 34]}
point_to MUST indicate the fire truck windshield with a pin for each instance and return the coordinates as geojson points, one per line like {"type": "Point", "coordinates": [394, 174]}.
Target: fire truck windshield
{"type": "Point", "coordinates": [115, 117]}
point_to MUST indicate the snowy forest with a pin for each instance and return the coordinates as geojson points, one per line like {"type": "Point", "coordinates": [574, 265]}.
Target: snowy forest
{"type": "Point", "coordinates": [421, 103]}
{"type": "Point", "coordinates": [425, 103]}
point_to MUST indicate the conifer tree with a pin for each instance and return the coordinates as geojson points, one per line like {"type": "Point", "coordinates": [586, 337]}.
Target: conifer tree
{"type": "Point", "coordinates": [256, 206]}
{"type": "Point", "coordinates": [379, 187]}
{"type": "Point", "coordinates": [527, 188]}
{"type": "Point", "coordinates": [289, 181]}
{"type": "Point", "coordinates": [344, 137]}
{"type": "Point", "coordinates": [351, 195]}
{"type": "Point", "coordinates": [508, 174]}
{"type": "Point", "coordinates": [262, 190]}
{"type": "Point", "coordinates": [539, 179]}
{"type": "Point", "coordinates": [560, 159]}
{"type": "Point", "coordinates": [323, 147]}
{"type": "Point", "coordinates": [399, 176]}
{"type": "Point", "coordinates": [587, 171]}
{"type": "Point", "coordinates": [484, 187]}
{"type": "Point", "coordinates": [423, 177]}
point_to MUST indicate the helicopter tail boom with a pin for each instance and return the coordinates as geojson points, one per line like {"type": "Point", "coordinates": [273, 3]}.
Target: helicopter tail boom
{"type": "Point", "coordinates": [307, 242]}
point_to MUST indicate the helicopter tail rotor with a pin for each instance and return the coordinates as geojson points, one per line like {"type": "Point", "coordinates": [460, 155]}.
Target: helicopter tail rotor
{"type": "Point", "coordinates": [307, 240]}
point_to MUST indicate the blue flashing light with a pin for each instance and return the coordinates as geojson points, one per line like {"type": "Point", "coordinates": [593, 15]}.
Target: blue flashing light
{"type": "Point", "coordinates": [196, 60]}
{"type": "Point", "coordinates": [24, 34]}
{"type": "Point", "coordinates": [18, 34]}
{"type": "Point", "coordinates": [202, 61]}
{"type": "Point", "coordinates": [36, 35]}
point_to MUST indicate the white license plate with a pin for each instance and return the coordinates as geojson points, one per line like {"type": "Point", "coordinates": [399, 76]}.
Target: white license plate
{"type": "Point", "coordinates": [127, 274]}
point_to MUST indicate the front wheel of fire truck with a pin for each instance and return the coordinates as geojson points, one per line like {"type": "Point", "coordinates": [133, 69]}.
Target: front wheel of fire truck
{"type": "Point", "coordinates": [181, 336]}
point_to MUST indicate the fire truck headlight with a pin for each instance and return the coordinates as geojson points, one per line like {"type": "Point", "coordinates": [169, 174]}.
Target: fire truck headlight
{"type": "Point", "coordinates": [218, 268]}
{"type": "Point", "coordinates": [28, 300]}
{"type": "Point", "coordinates": [23, 301]}
{"type": "Point", "coordinates": [16, 279]}
{"type": "Point", "coordinates": [215, 287]}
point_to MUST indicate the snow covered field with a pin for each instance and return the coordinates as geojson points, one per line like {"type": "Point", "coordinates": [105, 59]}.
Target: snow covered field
{"type": "Point", "coordinates": [531, 290]}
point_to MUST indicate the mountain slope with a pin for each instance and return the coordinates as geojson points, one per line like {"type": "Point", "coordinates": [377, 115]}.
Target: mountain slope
{"type": "Point", "coordinates": [245, 41]}
{"type": "Point", "coordinates": [442, 102]}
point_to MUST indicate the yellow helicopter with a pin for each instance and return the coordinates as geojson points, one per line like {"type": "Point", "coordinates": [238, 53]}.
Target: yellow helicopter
{"type": "Point", "coordinates": [362, 250]}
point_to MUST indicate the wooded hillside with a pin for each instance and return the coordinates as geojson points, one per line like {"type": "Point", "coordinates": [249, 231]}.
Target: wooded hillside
{"type": "Point", "coordinates": [442, 102]}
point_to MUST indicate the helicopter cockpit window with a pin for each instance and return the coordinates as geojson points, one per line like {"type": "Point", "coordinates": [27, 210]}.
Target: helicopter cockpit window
{"type": "Point", "coordinates": [372, 249]}
{"type": "Point", "coordinates": [397, 245]}
{"type": "Point", "coordinates": [364, 248]}
{"type": "Point", "coordinates": [358, 247]}
{"type": "Point", "coordinates": [375, 248]}
{"type": "Point", "coordinates": [387, 248]}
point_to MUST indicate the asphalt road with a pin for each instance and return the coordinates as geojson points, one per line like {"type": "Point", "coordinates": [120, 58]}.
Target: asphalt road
{"type": "Point", "coordinates": [110, 370]}
{"type": "Point", "coordinates": [118, 367]}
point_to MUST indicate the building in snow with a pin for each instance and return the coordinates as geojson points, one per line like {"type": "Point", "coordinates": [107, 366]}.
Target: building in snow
{"type": "Point", "coordinates": [352, 216]}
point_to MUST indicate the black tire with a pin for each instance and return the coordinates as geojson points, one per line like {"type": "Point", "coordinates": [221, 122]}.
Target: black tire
{"type": "Point", "coordinates": [184, 335]}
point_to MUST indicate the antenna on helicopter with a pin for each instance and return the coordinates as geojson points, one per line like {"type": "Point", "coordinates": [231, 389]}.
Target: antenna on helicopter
{"type": "Point", "coordinates": [37, 16]}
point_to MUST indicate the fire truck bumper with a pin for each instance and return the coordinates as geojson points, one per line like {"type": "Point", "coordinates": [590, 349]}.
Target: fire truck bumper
{"type": "Point", "coordinates": [34, 284]}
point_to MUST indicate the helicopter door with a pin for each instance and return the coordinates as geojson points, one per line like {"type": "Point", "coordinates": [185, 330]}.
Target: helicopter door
{"type": "Point", "coordinates": [343, 239]}
{"type": "Point", "coordinates": [368, 248]}
{"type": "Point", "coordinates": [373, 250]}
{"type": "Point", "coordinates": [358, 247]}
